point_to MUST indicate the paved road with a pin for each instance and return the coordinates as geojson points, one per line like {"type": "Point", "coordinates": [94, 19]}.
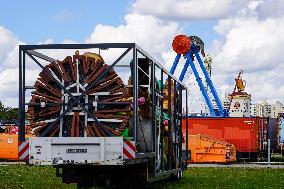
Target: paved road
{"type": "Point", "coordinates": [247, 165]}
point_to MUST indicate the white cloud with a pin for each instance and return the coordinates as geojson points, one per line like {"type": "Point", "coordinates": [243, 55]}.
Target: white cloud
{"type": "Point", "coordinates": [47, 41]}
{"type": "Point", "coordinates": [7, 42]}
{"type": "Point", "coordinates": [9, 59]}
{"type": "Point", "coordinates": [8, 72]}
{"type": "Point", "coordinates": [10, 82]}
{"type": "Point", "coordinates": [245, 43]}
{"type": "Point", "coordinates": [252, 42]}
{"type": "Point", "coordinates": [152, 34]}
{"type": "Point", "coordinates": [188, 9]}
{"type": "Point", "coordinates": [66, 15]}
{"type": "Point", "coordinates": [270, 8]}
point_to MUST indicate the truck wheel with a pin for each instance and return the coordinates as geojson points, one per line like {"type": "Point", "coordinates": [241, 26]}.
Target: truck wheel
{"type": "Point", "coordinates": [85, 182]}
{"type": "Point", "coordinates": [79, 186]}
{"type": "Point", "coordinates": [125, 183]}
{"type": "Point", "coordinates": [84, 185]}
{"type": "Point", "coordinates": [178, 175]}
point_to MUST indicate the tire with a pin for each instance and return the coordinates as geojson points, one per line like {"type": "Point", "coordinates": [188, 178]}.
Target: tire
{"type": "Point", "coordinates": [177, 176]}
{"type": "Point", "coordinates": [181, 174]}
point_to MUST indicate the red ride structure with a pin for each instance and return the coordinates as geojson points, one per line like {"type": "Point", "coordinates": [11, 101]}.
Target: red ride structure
{"type": "Point", "coordinates": [181, 44]}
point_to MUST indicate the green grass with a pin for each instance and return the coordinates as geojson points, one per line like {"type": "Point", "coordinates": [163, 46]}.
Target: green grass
{"type": "Point", "coordinates": [22, 176]}
{"type": "Point", "coordinates": [228, 178]}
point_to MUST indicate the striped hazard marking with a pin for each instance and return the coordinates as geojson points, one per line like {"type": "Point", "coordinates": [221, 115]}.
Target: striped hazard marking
{"type": "Point", "coordinates": [24, 150]}
{"type": "Point", "coordinates": [129, 149]}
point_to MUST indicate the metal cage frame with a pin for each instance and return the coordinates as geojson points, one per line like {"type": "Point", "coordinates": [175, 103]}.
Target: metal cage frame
{"type": "Point", "coordinates": [30, 51]}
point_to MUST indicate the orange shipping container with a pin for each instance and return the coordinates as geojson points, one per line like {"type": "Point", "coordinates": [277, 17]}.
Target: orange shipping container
{"type": "Point", "coordinates": [247, 134]}
{"type": "Point", "coordinates": [9, 146]}
{"type": "Point", "coordinates": [207, 149]}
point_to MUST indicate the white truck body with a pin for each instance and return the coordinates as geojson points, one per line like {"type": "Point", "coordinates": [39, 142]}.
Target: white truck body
{"type": "Point", "coordinates": [76, 150]}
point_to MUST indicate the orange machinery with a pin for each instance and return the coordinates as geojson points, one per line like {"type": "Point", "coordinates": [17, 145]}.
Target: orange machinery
{"type": "Point", "coordinates": [205, 149]}
{"type": "Point", "coordinates": [9, 143]}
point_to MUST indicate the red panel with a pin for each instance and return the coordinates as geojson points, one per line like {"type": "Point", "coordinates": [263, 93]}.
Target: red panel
{"type": "Point", "coordinates": [245, 133]}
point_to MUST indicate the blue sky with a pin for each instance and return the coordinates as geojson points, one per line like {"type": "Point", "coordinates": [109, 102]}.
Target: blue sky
{"type": "Point", "coordinates": [35, 21]}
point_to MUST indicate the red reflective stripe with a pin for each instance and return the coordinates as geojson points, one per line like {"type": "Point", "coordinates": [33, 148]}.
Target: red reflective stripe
{"type": "Point", "coordinates": [24, 149]}
{"type": "Point", "coordinates": [125, 152]}
{"type": "Point", "coordinates": [27, 157]}
{"type": "Point", "coordinates": [130, 145]}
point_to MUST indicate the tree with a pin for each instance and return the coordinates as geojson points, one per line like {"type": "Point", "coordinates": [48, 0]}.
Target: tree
{"type": "Point", "coordinates": [8, 113]}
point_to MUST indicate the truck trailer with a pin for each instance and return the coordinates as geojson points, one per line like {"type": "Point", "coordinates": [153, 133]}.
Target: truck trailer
{"type": "Point", "coordinates": [107, 114]}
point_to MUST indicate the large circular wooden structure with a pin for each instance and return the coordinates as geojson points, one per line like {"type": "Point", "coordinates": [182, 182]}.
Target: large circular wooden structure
{"type": "Point", "coordinates": [103, 108]}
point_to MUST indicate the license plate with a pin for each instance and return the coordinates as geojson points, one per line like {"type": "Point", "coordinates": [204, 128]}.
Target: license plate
{"type": "Point", "coordinates": [76, 150]}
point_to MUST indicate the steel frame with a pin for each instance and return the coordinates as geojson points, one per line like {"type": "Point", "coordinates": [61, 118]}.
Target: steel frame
{"type": "Point", "coordinates": [220, 112]}
{"type": "Point", "coordinates": [31, 51]}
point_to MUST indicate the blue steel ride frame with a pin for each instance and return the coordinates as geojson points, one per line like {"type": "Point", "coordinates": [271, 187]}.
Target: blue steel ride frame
{"type": "Point", "coordinates": [208, 80]}
{"type": "Point", "coordinates": [172, 71]}
{"type": "Point", "coordinates": [194, 50]}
